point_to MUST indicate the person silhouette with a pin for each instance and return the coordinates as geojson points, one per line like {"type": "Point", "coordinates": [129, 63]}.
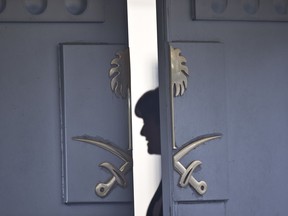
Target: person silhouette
{"type": "Point", "coordinates": [147, 108]}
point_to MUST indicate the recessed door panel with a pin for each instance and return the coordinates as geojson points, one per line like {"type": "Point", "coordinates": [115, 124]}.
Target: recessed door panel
{"type": "Point", "coordinates": [234, 10]}
{"type": "Point", "coordinates": [201, 209]}
{"type": "Point", "coordinates": [52, 11]}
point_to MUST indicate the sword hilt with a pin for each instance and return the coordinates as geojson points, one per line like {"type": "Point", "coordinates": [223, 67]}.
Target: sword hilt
{"type": "Point", "coordinates": [102, 189]}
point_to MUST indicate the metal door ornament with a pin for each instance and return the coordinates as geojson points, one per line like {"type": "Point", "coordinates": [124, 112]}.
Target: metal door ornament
{"type": "Point", "coordinates": [186, 176]}
{"type": "Point", "coordinates": [120, 73]}
{"type": "Point", "coordinates": [179, 83]}
{"type": "Point", "coordinates": [179, 80]}
{"type": "Point", "coordinates": [179, 71]}
{"type": "Point", "coordinates": [118, 174]}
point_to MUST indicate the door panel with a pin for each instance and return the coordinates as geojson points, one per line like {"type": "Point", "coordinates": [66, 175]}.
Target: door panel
{"type": "Point", "coordinates": [256, 91]}
{"type": "Point", "coordinates": [30, 127]}
{"type": "Point", "coordinates": [240, 10]}
{"type": "Point", "coordinates": [201, 208]}
{"type": "Point", "coordinates": [63, 11]}
{"type": "Point", "coordinates": [91, 109]}
{"type": "Point", "coordinates": [202, 110]}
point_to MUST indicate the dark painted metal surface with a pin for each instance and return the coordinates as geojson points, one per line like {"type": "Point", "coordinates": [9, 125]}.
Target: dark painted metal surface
{"type": "Point", "coordinates": [30, 155]}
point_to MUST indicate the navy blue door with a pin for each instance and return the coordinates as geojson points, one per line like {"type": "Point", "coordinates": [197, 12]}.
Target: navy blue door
{"type": "Point", "coordinates": [227, 83]}
{"type": "Point", "coordinates": [59, 87]}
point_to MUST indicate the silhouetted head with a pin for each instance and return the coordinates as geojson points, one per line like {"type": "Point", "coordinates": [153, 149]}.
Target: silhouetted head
{"type": "Point", "coordinates": [147, 108]}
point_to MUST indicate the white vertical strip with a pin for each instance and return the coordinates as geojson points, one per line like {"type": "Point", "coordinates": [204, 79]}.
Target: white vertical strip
{"type": "Point", "coordinates": [144, 76]}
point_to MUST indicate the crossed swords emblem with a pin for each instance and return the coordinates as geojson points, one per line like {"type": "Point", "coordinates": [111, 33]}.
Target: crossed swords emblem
{"type": "Point", "coordinates": [118, 174]}
{"type": "Point", "coordinates": [185, 173]}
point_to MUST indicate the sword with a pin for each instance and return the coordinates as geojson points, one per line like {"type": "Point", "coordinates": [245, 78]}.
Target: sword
{"type": "Point", "coordinates": [102, 189]}
{"type": "Point", "coordinates": [186, 173]}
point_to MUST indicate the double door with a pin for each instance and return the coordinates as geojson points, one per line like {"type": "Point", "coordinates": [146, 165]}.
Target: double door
{"type": "Point", "coordinates": [223, 107]}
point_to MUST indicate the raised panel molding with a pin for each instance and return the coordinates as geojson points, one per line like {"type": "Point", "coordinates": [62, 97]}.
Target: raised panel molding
{"type": "Point", "coordinates": [52, 11]}
{"type": "Point", "coordinates": [199, 113]}
{"type": "Point", "coordinates": [238, 10]}
{"type": "Point", "coordinates": [97, 163]}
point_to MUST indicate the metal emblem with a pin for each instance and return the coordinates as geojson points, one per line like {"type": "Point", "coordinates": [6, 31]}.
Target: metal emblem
{"type": "Point", "coordinates": [120, 74]}
{"type": "Point", "coordinates": [186, 176]}
{"type": "Point", "coordinates": [179, 72]}
{"type": "Point", "coordinates": [118, 174]}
